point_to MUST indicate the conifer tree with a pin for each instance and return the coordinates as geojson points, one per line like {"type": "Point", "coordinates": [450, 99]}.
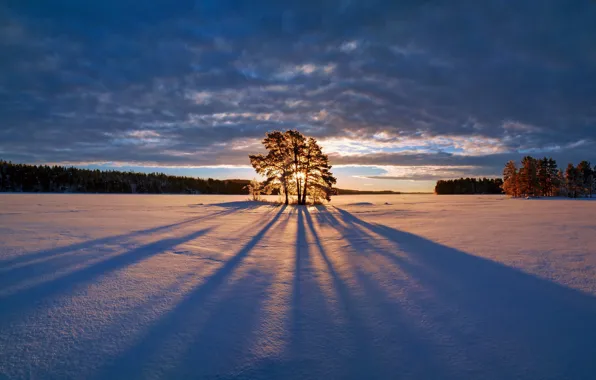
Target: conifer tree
{"type": "Point", "coordinates": [571, 181]}
{"type": "Point", "coordinates": [318, 179]}
{"type": "Point", "coordinates": [275, 166]}
{"type": "Point", "coordinates": [585, 178]}
{"type": "Point", "coordinates": [511, 180]}
{"type": "Point", "coordinates": [543, 177]}
{"type": "Point", "coordinates": [553, 178]}
{"type": "Point", "coordinates": [563, 190]}
{"type": "Point", "coordinates": [296, 144]}
{"type": "Point", "coordinates": [528, 177]}
{"type": "Point", "coordinates": [296, 164]}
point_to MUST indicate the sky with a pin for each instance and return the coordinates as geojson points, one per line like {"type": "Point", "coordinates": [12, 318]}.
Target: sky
{"type": "Point", "coordinates": [398, 93]}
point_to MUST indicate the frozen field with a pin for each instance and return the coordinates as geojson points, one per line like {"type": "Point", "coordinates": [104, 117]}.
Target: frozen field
{"type": "Point", "coordinates": [213, 287]}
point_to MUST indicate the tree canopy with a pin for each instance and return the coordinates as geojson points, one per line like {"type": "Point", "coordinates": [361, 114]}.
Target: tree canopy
{"type": "Point", "coordinates": [294, 165]}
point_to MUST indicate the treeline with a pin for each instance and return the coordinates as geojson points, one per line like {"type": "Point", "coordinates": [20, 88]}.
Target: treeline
{"type": "Point", "coordinates": [542, 177]}
{"type": "Point", "coordinates": [60, 179]}
{"type": "Point", "coordinates": [366, 192]}
{"type": "Point", "coordinates": [469, 186]}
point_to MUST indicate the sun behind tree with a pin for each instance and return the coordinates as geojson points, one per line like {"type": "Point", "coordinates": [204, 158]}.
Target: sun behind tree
{"type": "Point", "coordinates": [294, 165]}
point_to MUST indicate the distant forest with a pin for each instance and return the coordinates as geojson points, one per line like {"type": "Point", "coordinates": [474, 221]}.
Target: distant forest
{"type": "Point", "coordinates": [533, 178]}
{"type": "Point", "coordinates": [366, 192]}
{"type": "Point", "coordinates": [60, 179]}
{"type": "Point", "coordinates": [542, 177]}
{"type": "Point", "coordinates": [469, 186]}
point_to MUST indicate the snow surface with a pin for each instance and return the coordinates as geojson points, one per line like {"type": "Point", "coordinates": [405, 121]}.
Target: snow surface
{"type": "Point", "coordinates": [368, 287]}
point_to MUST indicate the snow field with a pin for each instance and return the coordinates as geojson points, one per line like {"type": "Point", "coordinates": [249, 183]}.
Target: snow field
{"type": "Point", "coordinates": [376, 287]}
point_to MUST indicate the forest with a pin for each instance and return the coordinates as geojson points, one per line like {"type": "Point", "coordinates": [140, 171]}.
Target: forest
{"type": "Point", "coordinates": [542, 177]}
{"type": "Point", "coordinates": [60, 179]}
{"type": "Point", "coordinates": [469, 186]}
{"type": "Point", "coordinates": [533, 178]}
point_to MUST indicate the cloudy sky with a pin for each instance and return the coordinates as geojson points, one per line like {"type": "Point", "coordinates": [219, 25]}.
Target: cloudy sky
{"type": "Point", "coordinates": [399, 93]}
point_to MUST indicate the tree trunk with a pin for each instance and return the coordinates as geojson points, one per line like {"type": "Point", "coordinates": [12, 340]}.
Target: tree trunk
{"type": "Point", "coordinates": [304, 190]}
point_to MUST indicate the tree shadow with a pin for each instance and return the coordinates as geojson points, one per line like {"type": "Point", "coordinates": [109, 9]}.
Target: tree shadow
{"type": "Point", "coordinates": [325, 344]}
{"type": "Point", "coordinates": [14, 304]}
{"type": "Point", "coordinates": [196, 341]}
{"type": "Point", "coordinates": [245, 205]}
{"type": "Point", "coordinates": [454, 316]}
{"type": "Point", "coordinates": [386, 339]}
{"type": "Point", "coordinates": [309, 330]}
{"type": "Point", "coordinates": [360, 359]}
{"type": "Point", "coordinates": [509, 323]}
{"type": "Point", "coordinates": [21, 264]}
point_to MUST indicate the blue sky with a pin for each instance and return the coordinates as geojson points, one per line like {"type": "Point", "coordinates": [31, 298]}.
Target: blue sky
{"type": "Point", "coordinates": [399, 94]}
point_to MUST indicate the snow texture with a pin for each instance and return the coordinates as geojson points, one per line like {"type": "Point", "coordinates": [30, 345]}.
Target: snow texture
{"type": "Point", "coordinates": [368, 287]}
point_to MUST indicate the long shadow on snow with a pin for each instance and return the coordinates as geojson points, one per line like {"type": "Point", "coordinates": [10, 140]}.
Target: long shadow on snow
{"type": "Point", "coordinates": [360, 361]}
{"type": "Point", "coordinates": [398, 346]}
{"type": "Point", "coordinates": [315, 341]}
{"type": "Point", "coordinates": [245, 205]}
{"type": "Point", "coordinates": [510, 323]}
{"type": "Point", "coordinates": [179, 322]}
{"type": "Point", "coordinates": [319, 344]}
{"type": "Point", "coordinates": [25, 267]}
{"type": "Point", "coordinates": [306, 322]}
{"type": "Point", "coordinates": [15, 303]}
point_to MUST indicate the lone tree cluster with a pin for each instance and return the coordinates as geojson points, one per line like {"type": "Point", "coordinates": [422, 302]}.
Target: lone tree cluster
{"type": "Point", "coordinates": [295, 165]}
{"type": "Point", "coordinates": [541, 177]}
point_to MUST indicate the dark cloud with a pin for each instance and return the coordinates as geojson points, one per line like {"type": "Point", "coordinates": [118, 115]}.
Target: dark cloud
{"type": "Point", "coordinates": [195, 82]}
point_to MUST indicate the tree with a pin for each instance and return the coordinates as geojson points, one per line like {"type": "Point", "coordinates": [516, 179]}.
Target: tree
{"type": "Point", "coordinates": [276, 166]}
{"type": "Point", "coordinates": [296, 164]}
{"type": "Point", "coordinates": [544, 179]}
{"type": "Point", "coordinates": [553, 178]}
{"type": "Point", "coordinates": [571, 181]}
{"type": "Point", "coordinates": [585, 178]}
{"type": "Point", "coordinates": [563, 190]}
{"type": "Point", "coordinates": [296, 143]}
{"type": "Point", "coordinates": [529, 177]}
{"type": "Point", "coordinates": [318, 179]}
{"type": "Point", "coordinates": [510, 179]}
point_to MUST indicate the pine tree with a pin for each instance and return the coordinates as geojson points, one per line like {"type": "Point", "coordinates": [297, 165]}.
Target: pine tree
{"type": "Point", "coordinates": [528, 177]}
{"type": "Point", "coordinates": [276, 166]}
{"type": "Point", "coordinates": [543, 177]}
{"type": "Point", "coordinates": [563, 190]}
{"type": "Point", "coordinates": [510, 179]}
{"type": "Point", "coordinates": [553, 177]}
{"type": "Point", "coordinates": [585, 178]}
{"type": "Point", "coordinates": [296, 143]}
{"type": "Point", "coordinates": [571, 181]}
{"type": "Point", "coordinates": [318, 179]}
{"type": "Point", "coordinates": [296, 164]}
